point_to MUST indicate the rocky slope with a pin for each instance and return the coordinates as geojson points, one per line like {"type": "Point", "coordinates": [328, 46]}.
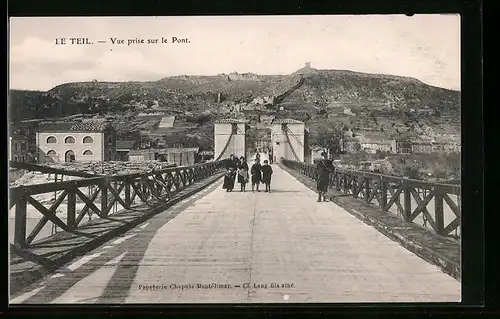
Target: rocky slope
{"type": "Point", "coordinates": [386, 104]}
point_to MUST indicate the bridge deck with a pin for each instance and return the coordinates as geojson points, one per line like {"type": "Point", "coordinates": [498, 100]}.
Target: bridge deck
{"type": "Point", "coordinates": [283, 237]}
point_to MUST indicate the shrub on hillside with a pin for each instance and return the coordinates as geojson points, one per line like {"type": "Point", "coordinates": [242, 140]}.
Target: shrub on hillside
{"type": "Point", "coordinates": [198, 119]}
{"type": "Point", "coordinates": [411, 172]}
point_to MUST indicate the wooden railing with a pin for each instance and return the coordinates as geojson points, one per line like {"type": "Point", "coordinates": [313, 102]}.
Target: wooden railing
{"type": "Point", "coordinates": [103, 194]}
{"type": "Point", "coordinates": [429, 198]}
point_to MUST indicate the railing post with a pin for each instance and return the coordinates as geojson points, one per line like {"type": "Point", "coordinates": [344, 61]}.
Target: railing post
{"type": "Point", "coordinates": [354, 187]}
{"type": "Point", "coordinates": [383, 194]}
{"type": "Point", "coordinates": [104, 197]}
{"type": "Point", "coordinates": [438, 210]}
{"type": "Point", "coordinates": [20, 222]}
{"type": "Point", "coordinates": [367, 189]}
{"type": "Point", "coordinates": [71, 209]}
{"type": "Point", "coordinates": [127, 193]}
{"type": "Point", "coordinates": [407, 201]}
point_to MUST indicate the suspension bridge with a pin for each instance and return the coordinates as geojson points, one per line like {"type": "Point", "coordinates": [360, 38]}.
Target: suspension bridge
{"type": "Point", "coordinates": [172, 236]}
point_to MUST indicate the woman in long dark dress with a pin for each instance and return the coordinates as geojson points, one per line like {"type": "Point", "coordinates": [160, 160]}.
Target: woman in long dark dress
{"type": "Point", "coordinates": [230, 176]}
{"type": "Point", "coordinates": [323, 169]}
{"type": "Point", "coordinates": [243, 173]}
{"type": "Point", "coordinates": [256, 173]}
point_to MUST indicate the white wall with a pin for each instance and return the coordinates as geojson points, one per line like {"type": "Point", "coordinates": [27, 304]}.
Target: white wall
{"type": "Point", "coordinates": [222, 132]}
{"type": "Point", "coordinates": [183, 158]}
{"type": "Point", "coordinates": [284, 148]}
{"type": "Point", "coordinates": [78, 147]}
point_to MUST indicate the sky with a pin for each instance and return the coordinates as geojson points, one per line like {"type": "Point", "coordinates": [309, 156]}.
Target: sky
{"type": "Point", "coordinates": [426, 47]}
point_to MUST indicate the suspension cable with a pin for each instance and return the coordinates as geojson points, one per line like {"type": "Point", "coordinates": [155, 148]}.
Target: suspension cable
{"type": "Point", "coordinates": [291, 147]}
{"type": "Point", "coordinates": [225, 147]}
{"type": "Point", "coordinates": [295, 136]}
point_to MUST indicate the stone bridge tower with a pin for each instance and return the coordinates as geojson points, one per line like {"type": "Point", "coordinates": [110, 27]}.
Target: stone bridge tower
{"type": "Point", "coordinates": [229, 138]}
{"type": "Point", "coordinates": [295, 143]}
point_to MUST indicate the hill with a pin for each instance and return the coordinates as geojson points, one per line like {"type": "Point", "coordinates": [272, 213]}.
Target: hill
{"type": "Point", "coordinates": [387, 104]}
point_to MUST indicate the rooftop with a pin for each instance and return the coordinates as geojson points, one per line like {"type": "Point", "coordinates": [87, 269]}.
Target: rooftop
{"type": "Point", "coordinates": [124, 144]}
{"type": "Point", "coordinates": [231, 121]}
{"type": "Point", "coordinates": [163, 150]}
{"type": "Point", "coordinates": [17, 136]}
{"type": "Point", "coordinates": [167, 121]}
{"type": "Point", "coordinates": [178, 150]}
{"type": "Point", "coordinates": [286, 121]}
{"type": "Point", "coordinates": [206, 153]}
{"type": "Point", "coordinates": [74, 127]}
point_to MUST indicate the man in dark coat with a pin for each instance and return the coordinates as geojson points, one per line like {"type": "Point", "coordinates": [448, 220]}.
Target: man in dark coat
{"type": "Point", "coordinates": [256, 173]}
{"type": "Point", "coordinates": [323, 170]}
{"type": "Point", "coordinates": [267, 171]}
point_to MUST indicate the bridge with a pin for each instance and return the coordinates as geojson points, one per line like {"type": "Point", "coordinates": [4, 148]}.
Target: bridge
{"type": "Point", "coordinates": [173, 236]}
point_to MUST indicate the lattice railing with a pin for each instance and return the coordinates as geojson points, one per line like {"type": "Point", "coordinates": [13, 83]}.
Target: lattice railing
{"type": "Point", "coordinates": [97, 196]}
{"type": "Point", "coordinates": [415, 201]}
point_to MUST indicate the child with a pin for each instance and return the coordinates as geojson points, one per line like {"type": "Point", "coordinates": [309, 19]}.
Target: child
{"type": "Point", "coordinates": [256, 174]}
{"type": "Point", "coordinates": [267, 171]}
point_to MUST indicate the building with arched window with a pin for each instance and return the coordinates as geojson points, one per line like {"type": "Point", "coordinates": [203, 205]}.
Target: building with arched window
{"type": "Point", "coordinates": [76, 141]}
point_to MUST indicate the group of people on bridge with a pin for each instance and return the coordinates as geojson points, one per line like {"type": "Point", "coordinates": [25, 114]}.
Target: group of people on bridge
{"type": "Point", "coordinates": [257, 174]}
{"type": "Point", "coordinates": [238, 168]}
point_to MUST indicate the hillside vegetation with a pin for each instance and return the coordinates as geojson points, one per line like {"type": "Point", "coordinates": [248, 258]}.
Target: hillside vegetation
{"type": "Point", "coordinates": [386, 104]}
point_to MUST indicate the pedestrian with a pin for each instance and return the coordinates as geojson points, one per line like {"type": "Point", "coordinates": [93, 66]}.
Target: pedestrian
{"type": "Point", "coordinates": [323, 170]}
{"type": "Point", "coordinates": [256, 173]}
{"type": "Point", "coordinates": [243, 173]}
{"type": "Point", "coordinates": [230, 175]}
{"type": "Point", "coordinates": [267, 171]}
{"type": "Point", "coordinates": [236, 160]}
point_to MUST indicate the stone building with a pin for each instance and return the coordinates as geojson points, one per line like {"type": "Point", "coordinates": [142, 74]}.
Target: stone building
{"type": "Point", "coordinates": [181, 156]}
{"type": "Point", "coordinates": [375, 142]}
{"type": "Point", "coordinates": [288, 138]}
{"type": "Point", "coordinates": [350, 145]}
{"type": "Point", "coordinates": [422, 147]}
{"type": "Point", "coordinates": [123, 149]}
{"type": "Point", "coordinates": [142, 155]}
{"type": "Point", "coordinates": [76, 141]}
{"type": "Point", "coordinates": [229, 138]}
{"type": "Point", "coordinates": [263, 142]}
{"type": "Point", "coordinates": [377, 146]}
{"type": "Point", "coordinates": [403, 146]}
{"type": "Point", "coordinates": [18, 148]}
{"type": "Point", "coordinates": [316, 154]}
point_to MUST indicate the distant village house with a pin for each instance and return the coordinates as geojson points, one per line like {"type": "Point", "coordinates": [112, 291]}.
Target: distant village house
{"type": "Point", "coordinates": [350, 145]}
{"type": "Point", "coordinates": [19, 148]}
{"type": "Point", "coordinates": [181, 156]}
{"type": "Point", "coordinates": [422, 147]}
{"type": "Point", "coordinates": [403, 146]}
{"type": "Point", "coordinates": [377, 146]}
{"type": "Point", "coordinates": [123, 149]}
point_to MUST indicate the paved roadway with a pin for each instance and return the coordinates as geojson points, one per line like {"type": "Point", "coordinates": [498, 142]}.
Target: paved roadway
{"type": "Point", "coordinates": [315, 252]}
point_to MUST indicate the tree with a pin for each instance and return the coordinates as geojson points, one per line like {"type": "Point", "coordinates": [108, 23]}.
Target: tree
{"type": "Point", "coordinates": [411, 172]}
{"type": "Point", "coordinates": [330, 136]}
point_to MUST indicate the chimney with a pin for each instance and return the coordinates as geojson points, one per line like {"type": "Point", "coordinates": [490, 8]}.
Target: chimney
{"type": "Point", "coordinates": [308, 65]}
